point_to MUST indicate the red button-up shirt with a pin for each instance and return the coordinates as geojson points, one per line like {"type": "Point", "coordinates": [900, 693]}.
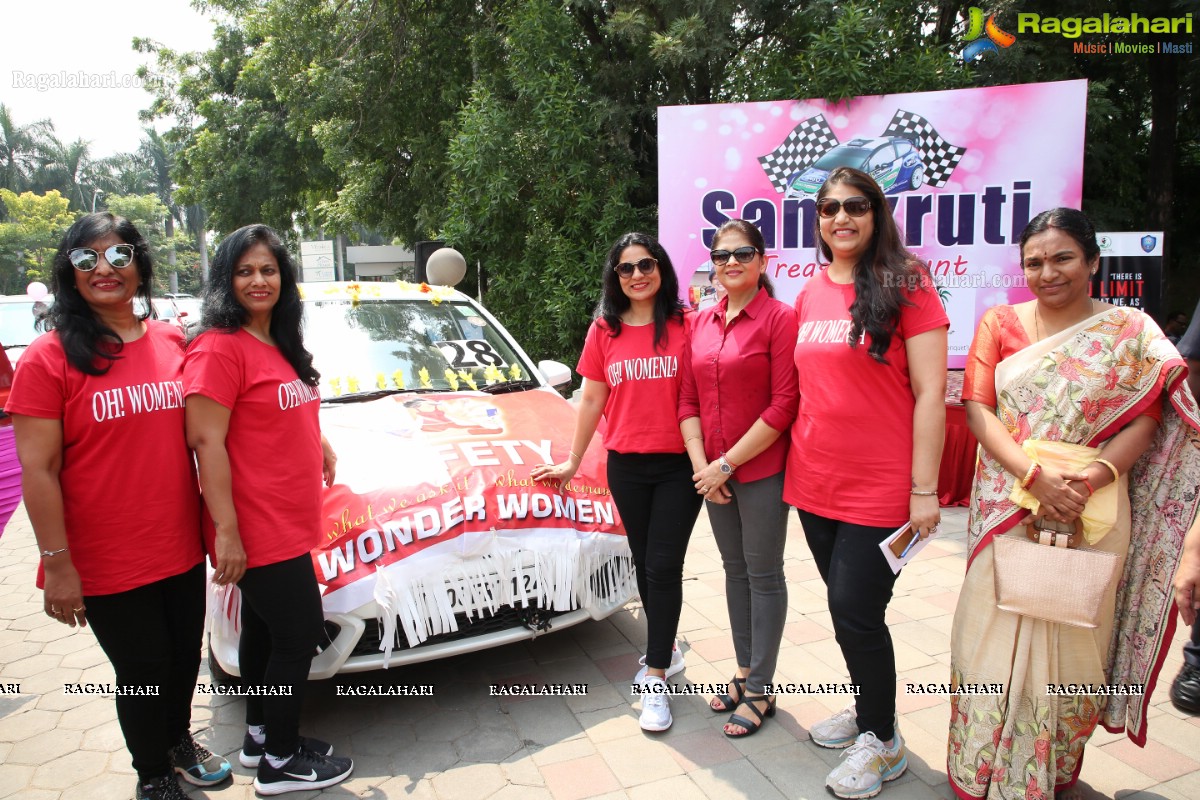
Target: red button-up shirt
{"type": "Point", "coordinates": [741, 373]}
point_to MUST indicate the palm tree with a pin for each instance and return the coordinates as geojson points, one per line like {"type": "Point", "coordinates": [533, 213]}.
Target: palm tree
{"type": "Point", "coordinates": [158, 155]}
{"type": "Point", "coordinates": [19, 150]}
{"type": "Point", "coordinates": [70, 169]}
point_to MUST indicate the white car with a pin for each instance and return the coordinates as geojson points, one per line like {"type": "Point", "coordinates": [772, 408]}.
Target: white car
{"type": "Point", "coordinates": [435, 541]}
{"type": "Point", "coordinates": [18, 315]}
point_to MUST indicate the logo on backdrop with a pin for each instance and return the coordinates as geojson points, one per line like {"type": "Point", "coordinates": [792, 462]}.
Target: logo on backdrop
{"type": "Point", "coordinates": [984, 37]}
{"type": "Point", "coordinates": [1148, 243]}
{"type": "Point", "coordinates": [909, 154]}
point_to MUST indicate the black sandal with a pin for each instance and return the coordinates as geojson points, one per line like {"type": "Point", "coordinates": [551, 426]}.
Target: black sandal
{"type": "Point", "coordinates": [728, 703]}
{"type": "Point", "coordinates": [751, 727]}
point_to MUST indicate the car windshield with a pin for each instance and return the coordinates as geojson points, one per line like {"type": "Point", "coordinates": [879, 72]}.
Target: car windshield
{"type": "Point", "coordinates": [843, 157]}
{"type": "Point", "coordinates": [17, 320]}
{"type": "Point", "coordinates": [388, 345]}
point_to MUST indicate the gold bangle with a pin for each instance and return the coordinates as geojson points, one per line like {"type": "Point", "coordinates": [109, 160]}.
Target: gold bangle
{"type": "Point", "coordinates": [693, 439]}
{"type": "Point", "coordinates": [577, 456]}
{"type": "Point", "coordinates": [1111, 468]}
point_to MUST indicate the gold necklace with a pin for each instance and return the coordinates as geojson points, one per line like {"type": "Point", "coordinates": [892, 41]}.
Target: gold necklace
{"type": "Point", "coordinates": [1037, 329]}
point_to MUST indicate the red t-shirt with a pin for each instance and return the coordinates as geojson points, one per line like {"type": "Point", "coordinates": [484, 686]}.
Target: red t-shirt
{"type": "Point", "coordinates": [274, 443]}
{"type": "Point", "coordinates": [851, 456]}
{"type": "Point", "coordinates": [740, 373]}
{"type": "Point", "coordinates": [130, 498]}
{"type": "Point", "coordinates": [643, 382]}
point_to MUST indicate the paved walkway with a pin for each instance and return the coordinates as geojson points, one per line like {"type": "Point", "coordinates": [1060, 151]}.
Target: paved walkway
{"type": "Point", "coordinates": [462, 744]}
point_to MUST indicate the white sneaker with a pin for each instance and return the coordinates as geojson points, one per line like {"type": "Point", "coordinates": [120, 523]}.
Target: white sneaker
{"type": "Point", "coordinates": [675, 667]}
{"type": "Point", "coordinates": [865, 767]}
{"type": "Point", "coordinates": [838, 731]}
{"type": "Point", "coordinates": [656, 710]}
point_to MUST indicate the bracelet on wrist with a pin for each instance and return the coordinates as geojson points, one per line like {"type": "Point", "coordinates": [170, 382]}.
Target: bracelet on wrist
{"type": "Point", "coordinates": [576, 456]}
{"type": "Point", "coordinates": [51, 553]}
{"type": "Point", "coordinates": [1088, 484]}
{"type": "Point", "coordinates": [918, 493]}
{"type": "Point", "coordinates": [1111, 468]}
{"type": "Point", "coordinates": [1031, 476]}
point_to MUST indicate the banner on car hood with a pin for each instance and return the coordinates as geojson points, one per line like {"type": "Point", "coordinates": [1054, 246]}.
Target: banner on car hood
{"type": "Point", "coordinates": [434, 511]}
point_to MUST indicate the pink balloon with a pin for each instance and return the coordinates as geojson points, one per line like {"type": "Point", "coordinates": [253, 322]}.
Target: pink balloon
{"type": "Point", "coordinates": [36, 290]}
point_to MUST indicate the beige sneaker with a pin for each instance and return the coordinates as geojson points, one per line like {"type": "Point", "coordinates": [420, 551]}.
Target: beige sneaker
{"type": "Point", "coordinates": [838, 731]}
{"type": "Point", "coordinates": [866, 766]}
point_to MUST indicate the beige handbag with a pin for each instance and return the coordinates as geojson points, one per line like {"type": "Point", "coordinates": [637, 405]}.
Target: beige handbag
{"type": "Point", "coordinates": [1051, 581]}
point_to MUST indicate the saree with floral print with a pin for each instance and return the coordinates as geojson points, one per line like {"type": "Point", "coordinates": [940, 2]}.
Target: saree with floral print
{"type": "Point", "coordinates": [1059, 682]}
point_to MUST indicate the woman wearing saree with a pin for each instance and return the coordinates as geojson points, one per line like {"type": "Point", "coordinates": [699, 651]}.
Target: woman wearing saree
{"type": "Point", "coordinates": [1067, 369]}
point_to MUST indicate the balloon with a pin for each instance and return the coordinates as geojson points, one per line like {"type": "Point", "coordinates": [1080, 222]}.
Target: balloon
{"type": "Point", "coordinates": [36, 290]}
{"type": "Point", "coordinates": [445, 267]}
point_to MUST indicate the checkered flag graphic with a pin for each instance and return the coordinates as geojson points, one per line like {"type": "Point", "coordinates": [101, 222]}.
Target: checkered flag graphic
{"type": "Point", "coordinates": [807, 142]}
{"type": "Point", "coordinates": [939, 156]}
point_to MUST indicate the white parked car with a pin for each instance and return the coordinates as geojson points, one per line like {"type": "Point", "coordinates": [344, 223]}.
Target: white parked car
{"type": "Point", "coordinates": [435, 541]}
{"type": "Point", "coordinates": [18, 315]}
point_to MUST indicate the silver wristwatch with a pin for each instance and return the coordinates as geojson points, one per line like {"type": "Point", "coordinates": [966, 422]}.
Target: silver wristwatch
{"type": "Point", "coordinates": [726, 467]}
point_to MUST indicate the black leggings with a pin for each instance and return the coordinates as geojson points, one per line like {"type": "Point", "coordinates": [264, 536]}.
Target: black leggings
{"type": "Point", "coordinates": [659, 506]}
{"type": "Point", "coordinates": [152, 635]}
{"type": "Point", "coordinates": [282, 624]}
{"type": "Point", "coordinates": [859, 583]}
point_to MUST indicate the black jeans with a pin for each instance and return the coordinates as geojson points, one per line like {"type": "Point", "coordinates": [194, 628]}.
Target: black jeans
{"type": "Point", "coordinates": [152, 636]}
{"type": "Point", "coordinates": [659, 506]}
{"type": "Point", "coordinates": [859, 583]}
{"type": "Point", "coordinates": [282, 624]}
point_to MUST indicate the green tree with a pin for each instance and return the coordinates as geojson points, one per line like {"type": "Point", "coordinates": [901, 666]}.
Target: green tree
{"type": "Point", "coordinates": [149, 215]}
{"type": "Point", "coordinates": [243, 164]}
{"type": "Point", "coordinates": [19, 150]}
{"type": "Point", "coordinates": [30, 237]}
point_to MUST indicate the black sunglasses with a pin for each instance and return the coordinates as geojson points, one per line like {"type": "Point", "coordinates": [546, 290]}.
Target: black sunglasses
{"type": "Point", "coordinates": [855, 206]}
{"type": "Point", "coordinates": [744, 255]}
{"type": "Point", "coordinates": [85, 259]}
{"type": "Point", "coordinates": [645, 266]}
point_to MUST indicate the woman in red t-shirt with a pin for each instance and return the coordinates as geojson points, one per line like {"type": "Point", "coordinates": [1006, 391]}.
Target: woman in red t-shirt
{"type": "Point", "coordinates": [631, 363]}
{"type": "Point", "coordinates": [97, 407]}
{"type": "Point", "coordinates": [252, 409]}
{"type": "Point", "coordinates": [871, 361]}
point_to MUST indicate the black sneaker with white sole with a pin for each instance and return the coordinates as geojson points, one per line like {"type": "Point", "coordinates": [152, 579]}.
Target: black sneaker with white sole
{"type": "Point", "coordinates": [252, 751]}
{"type": "Point", "coordinates": [303, 771]}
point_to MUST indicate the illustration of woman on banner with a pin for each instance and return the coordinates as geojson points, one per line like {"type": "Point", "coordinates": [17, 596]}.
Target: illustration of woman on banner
{"type": "Point", "coordinates": [1075, 403]}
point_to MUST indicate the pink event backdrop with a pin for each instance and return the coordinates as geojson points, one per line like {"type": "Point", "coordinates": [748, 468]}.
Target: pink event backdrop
{"type": "Point", "coordinates": [1003, 154]}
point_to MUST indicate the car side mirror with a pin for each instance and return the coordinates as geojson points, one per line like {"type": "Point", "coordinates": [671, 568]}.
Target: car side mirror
{"type": "Point", "coordinates": [555, 372]}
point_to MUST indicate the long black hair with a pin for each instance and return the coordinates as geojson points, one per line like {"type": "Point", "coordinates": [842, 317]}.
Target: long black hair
{"type": "Point", "coordinates": [222, 311]}
{"type": "Point", "coordinates": [614, 303]}
{"type": "Point", "coordinates": [751, 232]}
{"type": "Point", "coordinates": [1072, 222]}
{"type": "Point", "coordinates": [885, 268]}
{"type": "Point", "coordinates": [90, 345]}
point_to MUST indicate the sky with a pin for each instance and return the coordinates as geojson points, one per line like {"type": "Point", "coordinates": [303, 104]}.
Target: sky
{"type": "Point", "coordinates": [58, 44]}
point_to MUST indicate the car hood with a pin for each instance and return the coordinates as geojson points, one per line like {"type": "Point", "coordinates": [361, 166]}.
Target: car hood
{"type": "Point", "coordinates": [434, 490]}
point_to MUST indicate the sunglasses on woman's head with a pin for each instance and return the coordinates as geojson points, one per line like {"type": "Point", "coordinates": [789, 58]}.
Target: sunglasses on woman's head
{"type": "Point", "coordinates": [644, 266]}
{"type": "Point", "coordinates": [744, 255]}
{"type": "Point", "coordinates": [85, 259]}
{"type": "Point", "coordinates": [855, 206]}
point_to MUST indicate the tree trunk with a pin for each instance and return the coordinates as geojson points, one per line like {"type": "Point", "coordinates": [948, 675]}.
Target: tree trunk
{"type": "Point", "coordinates": [170, 230]}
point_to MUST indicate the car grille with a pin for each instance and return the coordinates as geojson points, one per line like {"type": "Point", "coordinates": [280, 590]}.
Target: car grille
{"type": "Point", "coordinates": [505, 618]}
